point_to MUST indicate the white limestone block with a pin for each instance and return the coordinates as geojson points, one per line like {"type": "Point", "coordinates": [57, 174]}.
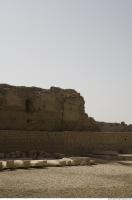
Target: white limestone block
{"type": "Point", "coordinates": [21, 164]}
{"type": "Point", "coordinates": [56, 163]}
{"type": "Point", "coordinates": [38, 163]}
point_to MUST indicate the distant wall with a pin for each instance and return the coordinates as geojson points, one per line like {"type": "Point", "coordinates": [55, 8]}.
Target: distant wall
{"type": "Point", "coordinates": [31, 140]}
{"type": "Point", "coordinates": [84, 142]}
{"type": "Point", "coordinates": [114, 127]}
{"type": "Point", "coordinates": [68, 142]}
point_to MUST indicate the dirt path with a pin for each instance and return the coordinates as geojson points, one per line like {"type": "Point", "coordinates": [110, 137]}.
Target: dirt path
{"type": "Point", "coordinates": [102, 180]}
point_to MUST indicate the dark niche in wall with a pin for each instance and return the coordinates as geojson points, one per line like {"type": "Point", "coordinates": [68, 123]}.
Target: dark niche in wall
{"type": "Point", "coordinates": [29, 105]}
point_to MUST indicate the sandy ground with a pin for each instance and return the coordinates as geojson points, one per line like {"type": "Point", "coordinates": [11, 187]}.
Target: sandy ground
{"type": "Point", "coordinates": [102, 180]}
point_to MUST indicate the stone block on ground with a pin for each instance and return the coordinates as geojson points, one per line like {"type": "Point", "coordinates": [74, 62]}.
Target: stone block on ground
{"type": "Point", "coordinates": [128, 163]}
{"type": "Point", "coordinates": [10, 164]}
{"type": "Point", "coordinates": [38, 163]}
{"type": "Point", "coordinates": [62, 163]}
{"type": "Point", "coordinates": [69, 161]}
{"type": "Point", "coordinates": [4, 166]}
{"type": "Point", "coordinates": [92, 162]}
{"type": "Point", "coordinates": [18, 163]}
{"type": "Point", "coordinates": [21, 164]}
{"type": "Point", "coordinates": [79, 160]}
{"type": "Point", "coordinates": [56, 163]}
{"type": "Point", "coordinates": [26, 164]}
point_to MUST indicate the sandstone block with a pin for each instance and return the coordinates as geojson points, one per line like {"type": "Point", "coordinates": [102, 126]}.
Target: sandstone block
{"type": "Point", "coordinates": [38, 163]}
{"type": "Point", "coordinates": [26, 164]}
{"type": "Point", "coordinates": [79, 160]}
{"type": "Point", "coordinates": [18, 163]}
{"type": "Point", "coordinates": [21, 164]}
{"type": "Point", "coordinates": [56, 163]}
{"type": "Point", "coordinates": [69, 162]}
{"type": "Point", "coordinates": [92, 162]}
{"type": "Point", "coordinates": [10, 164]}
{"type": "Point", "coordinates": [4, 165]}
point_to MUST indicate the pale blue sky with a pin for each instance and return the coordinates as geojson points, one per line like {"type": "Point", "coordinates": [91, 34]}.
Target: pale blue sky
{"type": "Point", "coordinates": [81, 44]}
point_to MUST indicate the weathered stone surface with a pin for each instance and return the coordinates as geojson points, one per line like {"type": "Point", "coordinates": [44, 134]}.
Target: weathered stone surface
{"type": "Point", "coordinates": [10, 164]}
{"type": "Point", "coordinates": [38, 163]}
{"type": "Point", "coordinates": [92, 162]}
{"type": "Point", "coordinates": [56, 163]}
{"type": "Point", "coordinates": [69, 161]}
{"type": "Point", "coordinates": [114, 127]}
{"type": "Point", "coordinates": [31, 108]}
{"type": "Point", "coordinates": [128, 163]}
{"type": "Point", "coordinates": [15, 164]}
{"type": "Point", "coordinates": [80, 160]}
{"type": "Point", "coordinates": [4, 166]}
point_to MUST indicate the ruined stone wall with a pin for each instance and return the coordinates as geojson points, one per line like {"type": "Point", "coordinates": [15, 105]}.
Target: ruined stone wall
{"type": "Point", "coordinates": [68, 142]}
{"type": "Point", "coordinates": [12, 140]}
{"type": "Point", "coordinates": [31, 108]}
{"type": "Point", "coordinates": [80, 143]}
{"type": "Point", "coordinates": [114, 127]}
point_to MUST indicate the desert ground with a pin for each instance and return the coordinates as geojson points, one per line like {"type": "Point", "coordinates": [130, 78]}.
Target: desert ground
{"type": "Point", "coordinates": [102, 180]}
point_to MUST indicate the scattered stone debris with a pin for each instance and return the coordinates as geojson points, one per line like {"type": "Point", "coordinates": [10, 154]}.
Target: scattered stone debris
{"type": "Point", "coordinates": [25, 164]}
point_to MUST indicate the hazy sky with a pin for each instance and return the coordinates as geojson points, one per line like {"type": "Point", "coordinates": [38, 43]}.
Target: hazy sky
{"type": "Point", "coordinates": [81, 44]}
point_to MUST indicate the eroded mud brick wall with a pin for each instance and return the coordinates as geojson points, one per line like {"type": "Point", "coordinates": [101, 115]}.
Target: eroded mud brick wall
{"type": "Point", "coordinates": [31, 108]}
{"type": "Point", "coordinates": [11, 141]}
{"type": "Point", "coordinates": [68, 142]}
{"type": "Point", "coordinates": [80, 143]}
{"type": "Point", "coordinates": [114, 127]}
